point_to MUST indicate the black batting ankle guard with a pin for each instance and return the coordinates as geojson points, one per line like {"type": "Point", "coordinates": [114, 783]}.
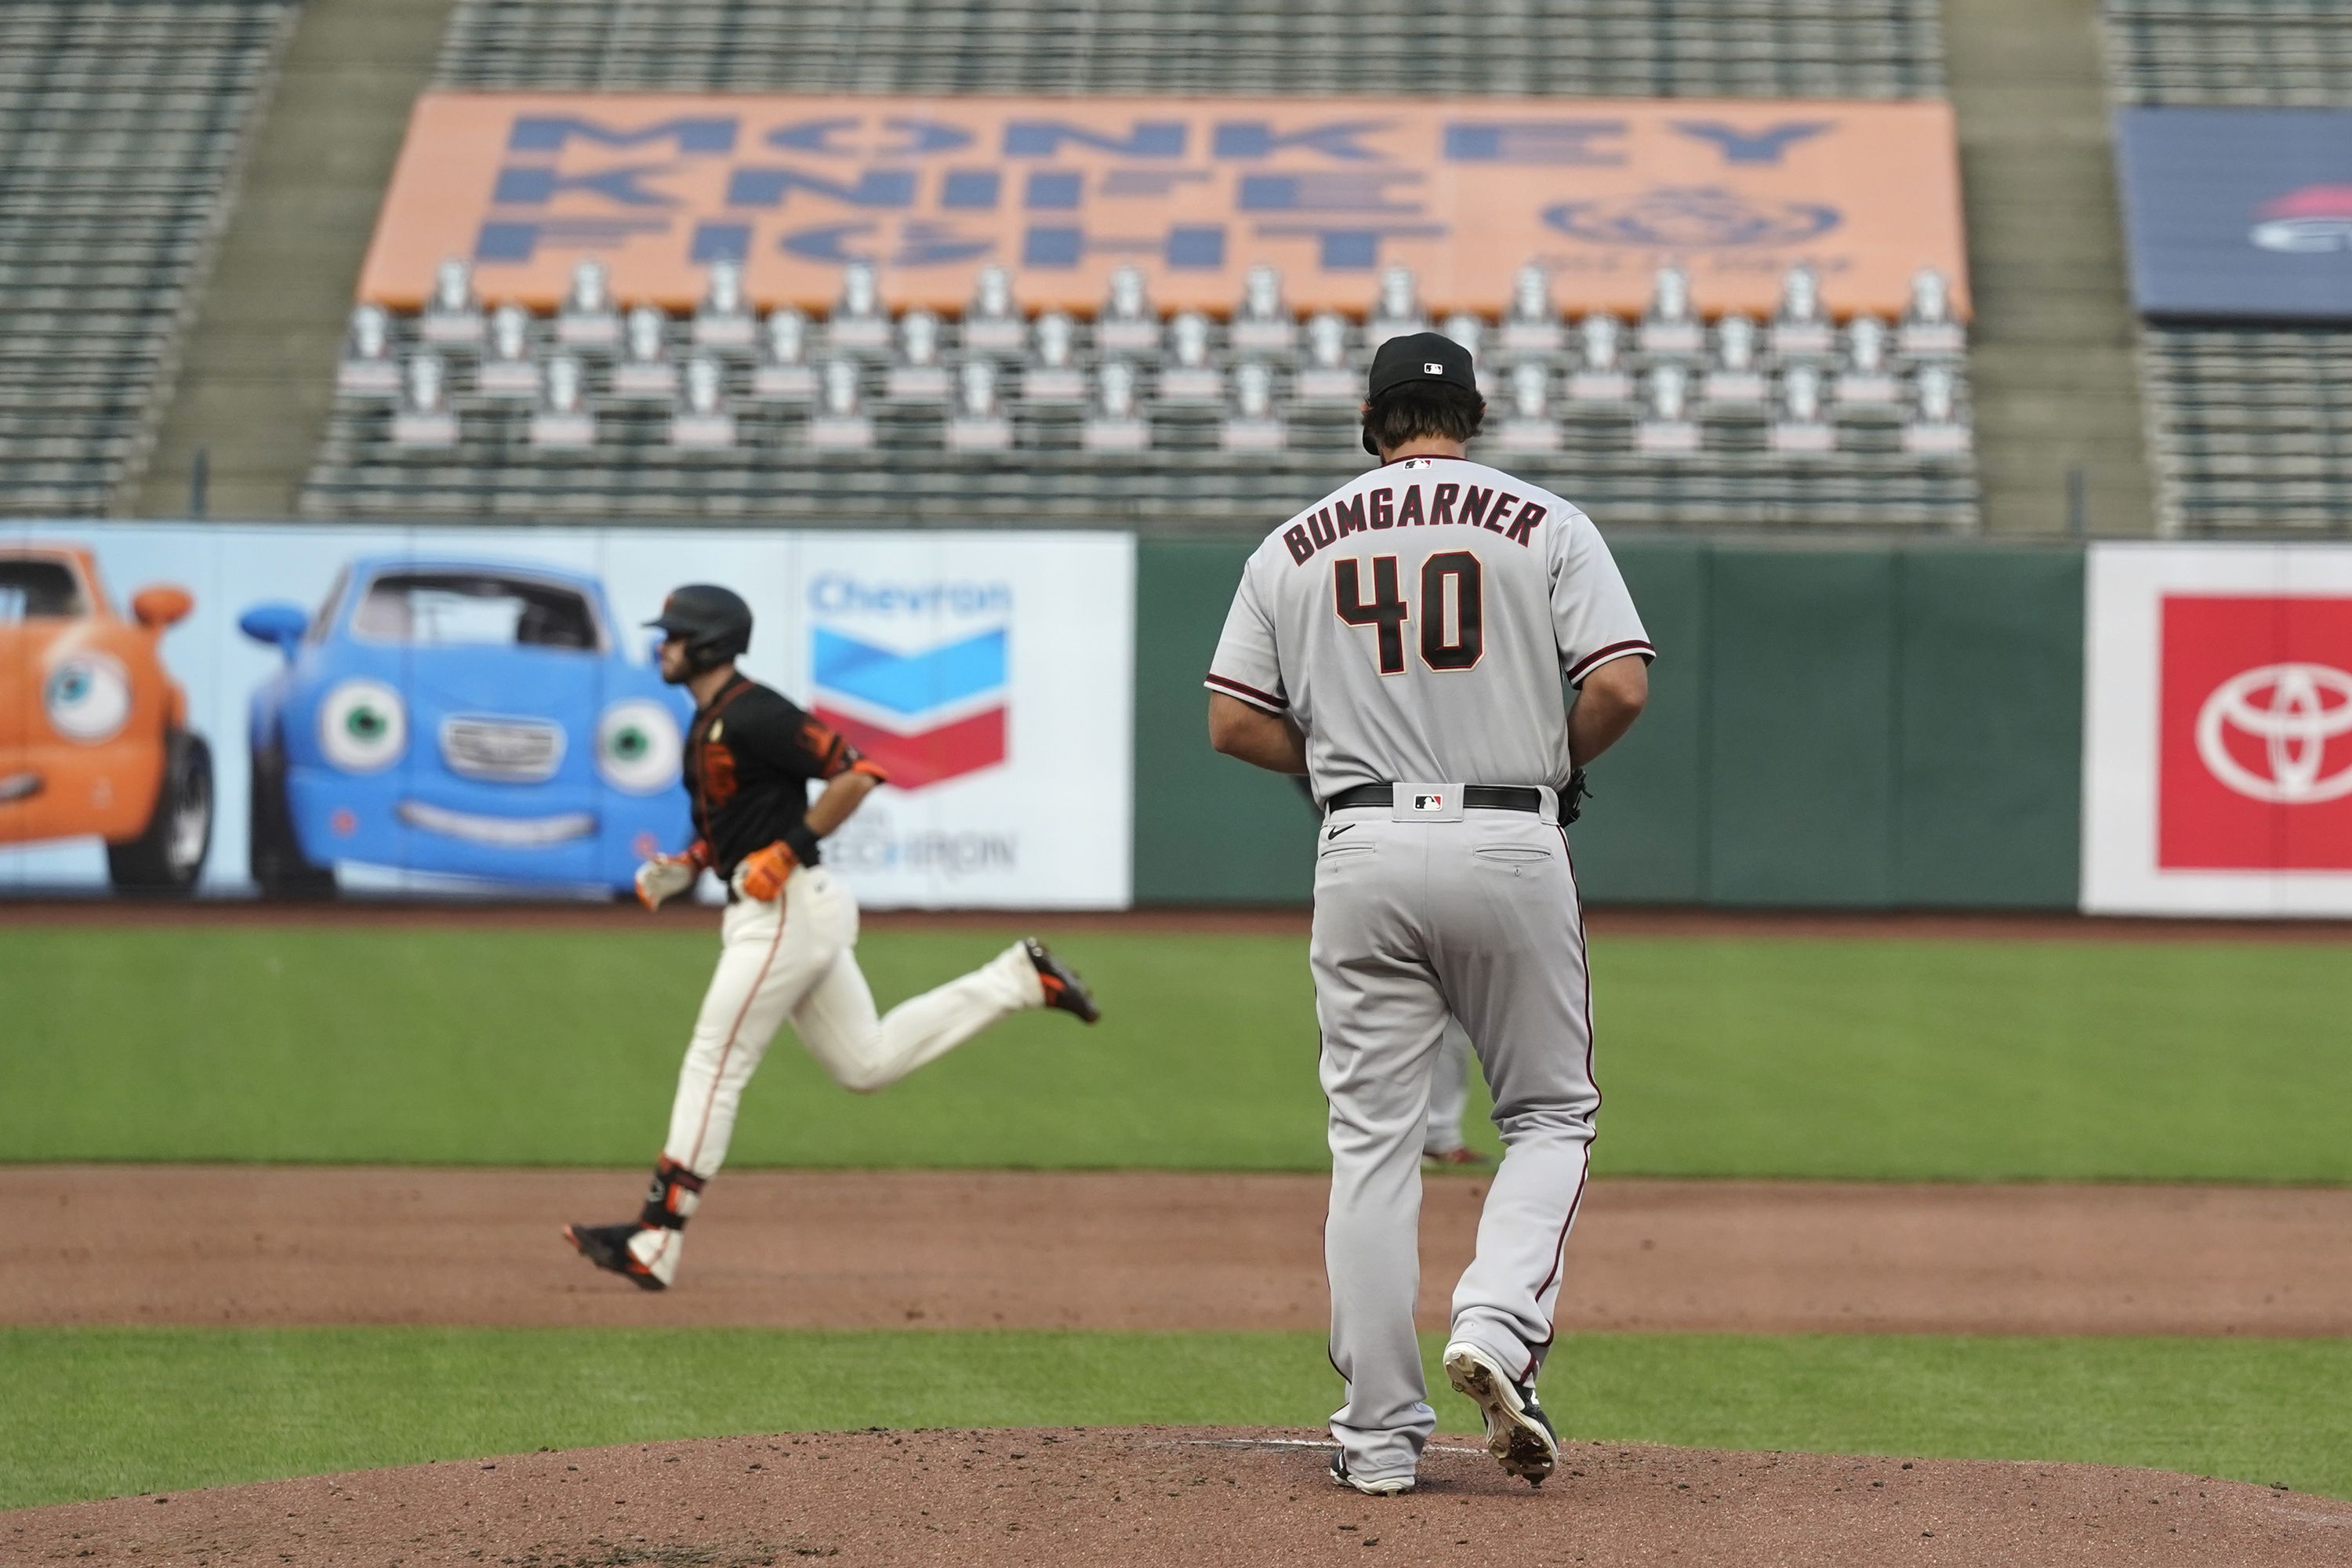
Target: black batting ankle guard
{"type": "Point", "coordinates": [673, 1197]}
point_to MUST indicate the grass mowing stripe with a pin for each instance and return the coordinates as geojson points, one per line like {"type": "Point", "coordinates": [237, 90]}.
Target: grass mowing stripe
{"type": "Point", "coordinates": [1846, 1058]}
{"type": "Point", "coordinates": [99, 1412]}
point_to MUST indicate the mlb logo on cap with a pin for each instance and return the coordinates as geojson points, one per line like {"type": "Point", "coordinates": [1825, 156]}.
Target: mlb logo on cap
{"type": "Point", "coordinates": [1430, 367]}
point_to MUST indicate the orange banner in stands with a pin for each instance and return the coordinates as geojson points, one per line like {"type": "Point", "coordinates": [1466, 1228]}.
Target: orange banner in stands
{"type": "Point", "coordinates": [1194, 191]}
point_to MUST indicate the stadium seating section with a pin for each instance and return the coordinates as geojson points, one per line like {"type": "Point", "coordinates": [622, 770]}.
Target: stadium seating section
{"type": "Point", "coordinates": [1143, 420]}
{"type": "Point", "coordinates": [2248, 429]}
{"type": "Point", "coordinates": [1177, 422]}
{"type": "Point", "coordinates": [1619, 49]}
{"type": "Point", "coordinates": [2251, 429]}
{"type": "Point", "coordinates": [2254, 52]}
{"type": "Point", "coordinates": [122, 122]}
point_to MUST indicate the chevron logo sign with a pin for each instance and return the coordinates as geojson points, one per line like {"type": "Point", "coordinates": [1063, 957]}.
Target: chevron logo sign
{"type": "Point", "coordinates": [926, 716]}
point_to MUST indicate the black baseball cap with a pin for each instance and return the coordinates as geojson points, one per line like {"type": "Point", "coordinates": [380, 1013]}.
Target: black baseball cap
{"type": "Point", "coordinates": [1421, 356]}
{"type": "Point", "coordinates": [1417, 356]}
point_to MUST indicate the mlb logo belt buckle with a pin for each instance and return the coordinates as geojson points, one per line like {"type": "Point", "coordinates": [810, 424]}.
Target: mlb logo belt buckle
{"type": "Point", "coordinates": [1427, 803]}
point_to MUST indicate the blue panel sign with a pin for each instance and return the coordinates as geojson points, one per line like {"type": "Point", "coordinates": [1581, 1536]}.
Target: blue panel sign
{"type": "Point", "coordinates": [2238, 215]}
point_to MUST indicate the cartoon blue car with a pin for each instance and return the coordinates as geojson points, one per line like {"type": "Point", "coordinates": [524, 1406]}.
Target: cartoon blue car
{"type": "Point", "coordinates": [467, 718]}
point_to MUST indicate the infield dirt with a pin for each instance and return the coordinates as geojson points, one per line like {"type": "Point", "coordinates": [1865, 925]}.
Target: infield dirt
{"type": "Point", "coordinates": [151, 1245]}
{"type": "Point", "coordinates": [1205, 1498]}
{"type": "Point", "coordinates": [243, 1245]}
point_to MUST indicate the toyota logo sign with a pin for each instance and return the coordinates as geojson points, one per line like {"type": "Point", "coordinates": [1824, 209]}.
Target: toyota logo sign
{"type": "Point", "coordinates": [2290, 713]}
{"type": "Point", "coordinates": [2253, 736]}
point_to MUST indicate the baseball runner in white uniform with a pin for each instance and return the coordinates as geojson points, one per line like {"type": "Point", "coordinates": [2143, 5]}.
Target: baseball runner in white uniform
{"type": "Point", "coordinates": [788, 941]}
{"type": "Point", "coordinates": [1404, 643]}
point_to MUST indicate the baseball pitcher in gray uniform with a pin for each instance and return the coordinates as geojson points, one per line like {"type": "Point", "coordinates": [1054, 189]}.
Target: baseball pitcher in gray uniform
{"type": "Point", "coordinates": [1404, 642]}
{"type": "Point", "coordinates": [1449, 1085]}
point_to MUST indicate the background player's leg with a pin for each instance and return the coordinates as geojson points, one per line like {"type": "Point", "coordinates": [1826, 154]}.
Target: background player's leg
{"type": "Point", "coordinates": [1449, 1091]}
{"type": "Point", "coordinates": [1380, 1015]}
{"type": "Point", "coordinates": [1511, 957]}
{"type": "Point", "coordinates": [837, 1019]}
{"type": "Point", "coordinates": [774, 955]}
{"type": "Point", "coordinates": [769, 955]}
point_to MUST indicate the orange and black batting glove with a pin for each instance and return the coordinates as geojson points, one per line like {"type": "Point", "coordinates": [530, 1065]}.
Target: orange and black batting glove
{"type": "Point", "coordinates": [665, 877]}
{"type": "Point", "coordinates": [763, 872]}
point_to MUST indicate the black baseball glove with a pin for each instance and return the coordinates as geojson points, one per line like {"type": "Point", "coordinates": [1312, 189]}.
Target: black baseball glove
{"type": "Point", "coordinates": [1572, 798]}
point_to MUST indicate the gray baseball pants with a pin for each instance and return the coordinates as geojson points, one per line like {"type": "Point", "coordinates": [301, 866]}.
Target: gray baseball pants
{"type": "Point", "coordinates": [1449, 1091]}
{"type": "Point", "coordinates": [1417, 913]}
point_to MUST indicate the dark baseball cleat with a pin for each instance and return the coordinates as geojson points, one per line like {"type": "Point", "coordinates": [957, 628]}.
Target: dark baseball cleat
{"type": "Point", "coordinates": [608, 1247]}
{"type": "Point", "coordinates": [1064, 989]}
{"type": "Point", "coordinates": [1393, 1485]}
{"type": "Point", "coordinates": [1519, 1434]}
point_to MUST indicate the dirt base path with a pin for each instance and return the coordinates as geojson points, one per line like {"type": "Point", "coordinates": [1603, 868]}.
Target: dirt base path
{"type": "Point", "coordinates": [258, 1246]}
{"type": "Point", "coordinates": [1203, 1498]}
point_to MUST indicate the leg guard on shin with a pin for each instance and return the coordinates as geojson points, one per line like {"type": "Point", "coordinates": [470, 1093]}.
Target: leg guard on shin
{"type": "Point", "coordinates": [660, 1239]}
{"type": "Point", "coordinates": [645, 1252]}
{"type": "Point", "coordinates": [675, 1195]}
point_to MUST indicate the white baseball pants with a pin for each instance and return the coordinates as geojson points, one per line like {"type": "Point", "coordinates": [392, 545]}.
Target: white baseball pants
{"type": "Point", "coordinates": [796, 958]}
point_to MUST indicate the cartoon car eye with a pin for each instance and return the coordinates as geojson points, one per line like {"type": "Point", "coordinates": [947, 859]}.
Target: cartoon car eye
{"type": "Point", "coordinates": [362, 726]}
{"type": "Point", "coordinates": [88, 698]}
{"type": "Point", "coordinates": [638, 748]}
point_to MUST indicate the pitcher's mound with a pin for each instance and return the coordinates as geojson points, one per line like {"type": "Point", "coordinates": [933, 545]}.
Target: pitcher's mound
{"type": "Point", "coordinates": [1174, 1496]}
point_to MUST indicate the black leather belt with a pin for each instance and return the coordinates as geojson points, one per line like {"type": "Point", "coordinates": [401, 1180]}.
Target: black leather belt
{"type": "Point", "coordinates": [1477, 797]}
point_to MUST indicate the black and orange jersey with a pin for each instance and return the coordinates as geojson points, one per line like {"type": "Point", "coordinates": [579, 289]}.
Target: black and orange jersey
{"type": "Point", "coordinates": [750, 754]}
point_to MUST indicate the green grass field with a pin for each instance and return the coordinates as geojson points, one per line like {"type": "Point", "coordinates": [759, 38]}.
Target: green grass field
{"type": "Point", "coordinates": [1858, 1058]}
{"type": "Point", "coordinates": [103, 1411]}
{"type": "Point", "coordinates": [1849, 1059]}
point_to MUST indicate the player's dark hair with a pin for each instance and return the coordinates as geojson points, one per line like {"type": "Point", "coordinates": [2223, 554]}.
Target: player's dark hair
{"type": "Point", "coordinates": [1423, 408]}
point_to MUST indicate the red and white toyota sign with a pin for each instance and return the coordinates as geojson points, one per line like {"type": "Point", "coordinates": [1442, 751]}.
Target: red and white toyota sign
{"type": "Point", "coordinates": [2217, 730]}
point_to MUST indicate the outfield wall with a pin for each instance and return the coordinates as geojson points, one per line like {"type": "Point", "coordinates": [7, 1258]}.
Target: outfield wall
{"type": "Point", "coordinates": [1850, 727]}
{"type": "Point", "coordinates": [2136, 729]}
{"type": "Point", "coordinates": [461, 709]}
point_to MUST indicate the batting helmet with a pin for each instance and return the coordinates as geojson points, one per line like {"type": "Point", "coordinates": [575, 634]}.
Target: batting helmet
{"type": "Point", "coordinates": [715, 622]}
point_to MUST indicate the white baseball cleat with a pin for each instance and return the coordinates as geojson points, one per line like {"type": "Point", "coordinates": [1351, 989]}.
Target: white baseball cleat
{"type": "Point", "coordinates": [1393, 1485]}
{"type": "Point", "coordinates": [1519, 1434]}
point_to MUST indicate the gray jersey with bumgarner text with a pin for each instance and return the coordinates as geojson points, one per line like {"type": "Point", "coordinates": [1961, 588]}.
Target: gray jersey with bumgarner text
{"type": "Point", "coordinates": [1417, 622]}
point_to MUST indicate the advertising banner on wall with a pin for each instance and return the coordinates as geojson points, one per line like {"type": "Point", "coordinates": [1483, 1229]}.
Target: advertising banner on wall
{"type": "Point", "coordinates": [2217, 774]}
{"type": "Point", "coordinates": [1194, 191]}
{"type": "Point", "coordinates": [473, 711]}
{"type": "Point", "coordinates": [2238, 214]}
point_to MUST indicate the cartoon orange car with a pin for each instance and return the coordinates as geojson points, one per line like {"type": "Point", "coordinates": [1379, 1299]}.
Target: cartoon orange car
{"type": "Point", "coordinates": [94, 736]}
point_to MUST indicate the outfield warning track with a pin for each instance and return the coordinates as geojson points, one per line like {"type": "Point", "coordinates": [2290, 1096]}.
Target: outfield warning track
{"type": "Point", "coordinates": [1290, 921]}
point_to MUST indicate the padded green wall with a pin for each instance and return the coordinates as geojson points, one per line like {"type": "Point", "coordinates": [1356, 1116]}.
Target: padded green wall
{"type": "Point", "coordinates": [1989, 758]}
{"type": "Point", "coordinates": [1800, 714]}
{"type": "Point", "coordinates": [1208, 829]}
{"type": "Point", "coordinates": [1868, 726]}
{"type": "Point", "coordinates": [1645, 827]}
